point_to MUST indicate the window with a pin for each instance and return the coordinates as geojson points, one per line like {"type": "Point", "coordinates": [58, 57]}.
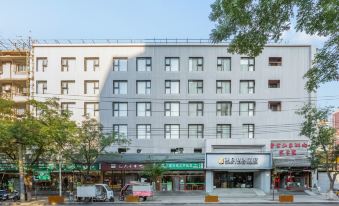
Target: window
{"type": "Point", "coordinates": [195, 108]}
{"type": "Point", "coordinates": [178, 150]}
{"type": "Point", "coordinates": [67, 86]}
{"type": "Point", "coordinates": [171, 64]}
{"type": "Point", "coordinates": [120, 130]}
{"type": "Point", "coordinates": [41, 64]}
{"type": "Point", "coordinates": [247, 64]}
{"type": "Point", "coordinates": [273, 83]}
{"type": "Point", "coordinates": [195, 64]}
{"type": "Point", "coordinates": [21, 68]}
{"type": "Point", "coordinates": [120, 64]}
{"type": "Point", "coordinates": [67, 106]}
{"type": "Point", "coordinates": [91, 87]}
{"type": "Point", "coordinates": [274, 106]}
{"type": "Point", "coordinates": [119, 87]}
{"type": "Point", "coordinates": [197, 150]}
{"type": "Point", "coordinates": [144, 131]}
{"type": "Point", "coordinates": [246, 108]}
{"type": "Point", "coordinates": [91, 64]}
{"type": "Point", "coordinates": [41, 87]}
{"type": "Point", "coordinates": [195, 86]}
{"type": "Point", "coordinates": [248, 130]}
{"type": "Point", "coordinates": [120, 109]}
{"type": "Point", "coordinates": [223, 87]}
{"type": "Point", "coordinates": [172, 86]}
{"type": "Point", "coordinates": [172, 109]}
{"type": "Point", "coordinates": [144, 64]}
{"type": "Point", "coordinates": [143, 109]}
{"type": "Point", "coordinates": [172, 131]}
{"type": "Point", "coordinates": [195, 131]}
{"type": "Point", "coordinates": [67, 63]}
{"type": "Point", "coordinates": [223, 131]}
{"type": "Point", "coordinates": [91, 109]}
{"type": "Point", "coordinates": [122, 150]}
{"type": "Point", "coordinates": [274, 61]}
{"type": "Point", "coordinates": [247, 86]}
{"type": "Point", "coordinates": [223, 64]}
{"type": "Point", "coordinates": [144, 87]}
{"type": "Point", "coordinates": [224, 108]}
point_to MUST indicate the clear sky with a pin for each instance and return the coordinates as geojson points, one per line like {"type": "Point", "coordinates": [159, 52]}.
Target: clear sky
{"type": "Point", "coordinates": [124, 19]}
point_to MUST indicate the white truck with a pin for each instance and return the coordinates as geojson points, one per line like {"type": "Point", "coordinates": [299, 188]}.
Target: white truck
{"type": "Point", "coordinates": [97, 192]}
{"type": "Point", "coordinates": [140, 189]}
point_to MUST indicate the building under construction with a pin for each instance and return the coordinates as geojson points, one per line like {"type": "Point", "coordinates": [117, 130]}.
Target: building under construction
{"type": "Point", "coordinates": [15, 73]}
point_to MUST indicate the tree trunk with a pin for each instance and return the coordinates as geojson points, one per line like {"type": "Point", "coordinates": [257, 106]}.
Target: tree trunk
{"type": "Point", "coordinates": [21, 173]}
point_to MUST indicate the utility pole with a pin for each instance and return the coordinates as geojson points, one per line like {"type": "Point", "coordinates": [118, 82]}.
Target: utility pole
{"type": "Point", "coordinates": [21, 173]}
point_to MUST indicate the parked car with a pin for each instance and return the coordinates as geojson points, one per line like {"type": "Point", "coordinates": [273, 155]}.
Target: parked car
{"type": "Point", "coordinates": [140, 189]}
{"type": "Point", "coordinates": [3, 195]}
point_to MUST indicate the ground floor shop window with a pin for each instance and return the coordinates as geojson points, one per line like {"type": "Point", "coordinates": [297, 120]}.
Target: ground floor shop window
{"type": "Point", "coordinates": [183, 181]}
{"type": "Point", "coordinates": [233, 179]}
{"type": "Point", "coordinates": [293, 180]}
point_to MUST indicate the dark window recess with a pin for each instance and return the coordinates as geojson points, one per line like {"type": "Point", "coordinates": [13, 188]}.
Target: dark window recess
{"type": "Point", "coordinates": [273, 83]}
{"type": "Point", "coordinates": [122, 150]}
{"type": "Point", "coordinates": [274, 61]}
{"type": "Point", "coordinates": [274, 106]}
{"type": "Point", "coordinates": [197, 150]}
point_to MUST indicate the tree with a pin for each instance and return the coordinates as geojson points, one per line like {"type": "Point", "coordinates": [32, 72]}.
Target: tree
{"type": "Point", "coordinates": [251, 24]}
{"type": "Point", "coordinates": [154, 171]}
{"type": "Point", "coordinates": [38, 135]}
{"type": "Point", "coordinates": [92, 142]}
{"type": "Point", "coordinates": [323, 148]}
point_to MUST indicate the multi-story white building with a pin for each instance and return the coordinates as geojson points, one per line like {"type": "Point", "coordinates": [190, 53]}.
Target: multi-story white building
{"type": "Point", "coordinates": [184, 98]}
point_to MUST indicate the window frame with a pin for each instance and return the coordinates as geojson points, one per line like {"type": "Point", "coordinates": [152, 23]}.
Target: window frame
{"type": "Point", "coordinates": [249, 64]}
{"type": "Point", "coordinates": [96, 86]}
{"type": "Point", "coordinates": [273, 63]}
{"type": "Point", "coordinates": [168, 87]}
{"type": "Point", "coordinates": [197, 110]}
{"type": "Point", "coordinates": [220, 88]}
{"type": "Point", "coordinates": [148, 131]}
{"type": "Point", "coordinates": [220, 129]}
{"type": "Point", "coordinates": [170, 108]}
{"type": "Point", "coordinates": [199, 66]}
{"type": "Point", "coordinates": [199, 133]}
{"type": "Point", "coordinates": [65, 67]}
{"type": "Point", "coordinates": [147, 111]}
{"type": "Point", "coordinates": [118, 65]}
{"type": "Point", "coordinates": [250, 111]}
{"type": "Point", "coordinates": [119, 87]}
{"type": "Point", "coordinates": [221, 64]}
{"type": "Point", "coordinates": [219, 107]}
{"type": "Point", "coordinates": [169, 64]}
{"type": "Point", "coordinates": [146, 87]}
{"type": "Point", "coordinates": [276, 104]}
{"type": "Point", "coordinates": [44, 63]}
{"type": "Point", "coordinates": [250, 132]}
{"type": "Point", "coordinates": [197, 88]}
{"type": "Point", "coordinates": [249, 88]}
{"type": "Point", "coordinates": [148, 64]}
{"type": "Point", "coordinates": [169, 131]}
{"type": "Point", "coordinates": [96, 63]}
{"type": "Point", "coordinates": [44, 88]}
{"type": "Point", "coordinates": [96, 109]}
{"type": "Point", "coordinates": [119, 111]}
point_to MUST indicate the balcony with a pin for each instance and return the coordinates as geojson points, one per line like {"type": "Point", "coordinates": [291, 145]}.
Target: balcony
{"type": "Point", "coordinates": [10, 71]}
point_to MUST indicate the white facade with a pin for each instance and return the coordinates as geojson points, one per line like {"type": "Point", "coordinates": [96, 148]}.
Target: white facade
{"type": "Point", "coordinates": [180, 97]}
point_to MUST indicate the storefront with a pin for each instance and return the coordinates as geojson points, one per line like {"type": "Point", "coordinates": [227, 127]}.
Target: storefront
{"type": "Point", "coordinates": [117, 175]}
{"type": "Point", "coordinates": [183, 176]}
{"type": "Point", "coordinates": [238, 170]}
{"type": "Point", "coordinates": [291, 165]}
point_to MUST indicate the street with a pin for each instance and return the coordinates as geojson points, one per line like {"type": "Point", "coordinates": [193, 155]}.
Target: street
{"type": "Point", "coordinates": [210, 204]}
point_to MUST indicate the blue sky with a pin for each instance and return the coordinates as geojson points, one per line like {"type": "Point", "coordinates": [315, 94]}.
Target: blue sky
{"type": "Point", "coordinates": [116, 19]}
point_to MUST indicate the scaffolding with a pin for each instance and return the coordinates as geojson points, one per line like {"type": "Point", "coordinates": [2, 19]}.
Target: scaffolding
{"type": "Point", "coordinates": [15, 72]}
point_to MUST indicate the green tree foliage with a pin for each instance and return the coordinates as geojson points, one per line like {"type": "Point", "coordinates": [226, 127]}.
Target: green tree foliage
{"type": "Point", "coordinates": [154, 171]}
{"type": "Point", "coordinates": [92, 142]}
{"type": "Point", "coordinates": [251, 24]}
{"type": "Point", "coordinates": [323, 148]}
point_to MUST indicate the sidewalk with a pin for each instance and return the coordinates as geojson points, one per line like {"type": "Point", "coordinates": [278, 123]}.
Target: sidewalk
{"type": "Point", "coordinates": [184, 198]}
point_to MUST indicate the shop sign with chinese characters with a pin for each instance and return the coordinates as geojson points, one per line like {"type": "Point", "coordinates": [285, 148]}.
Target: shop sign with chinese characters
{"type": "Point", "coordinates": [184, 166]}
{"type": "Point", "coordinates": [289, 148]}
{"type": "Point", "coordinates": [238, 161]}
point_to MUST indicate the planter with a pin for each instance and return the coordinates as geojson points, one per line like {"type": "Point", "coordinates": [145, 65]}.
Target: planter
{"type": "Point", "coordinates": [52, 200]}
{"type": "Point", "coordinates": [286, 198]}
{"type": "Point", "coordinates": [131, 198]}
{"type": "Point", "coordinates": [211, 198]}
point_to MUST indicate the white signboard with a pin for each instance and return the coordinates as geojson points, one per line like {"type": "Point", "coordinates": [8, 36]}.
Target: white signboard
{"type": "Point", "coordinates": [247, 161]}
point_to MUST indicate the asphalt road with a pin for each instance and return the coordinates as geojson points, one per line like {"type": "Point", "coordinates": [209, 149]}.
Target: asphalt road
{"type": "Point", "coordinates": [218, 204]}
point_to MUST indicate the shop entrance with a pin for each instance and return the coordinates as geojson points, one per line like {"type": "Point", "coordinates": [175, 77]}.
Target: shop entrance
{"type": "Point", "coordinates": [233, 179]}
